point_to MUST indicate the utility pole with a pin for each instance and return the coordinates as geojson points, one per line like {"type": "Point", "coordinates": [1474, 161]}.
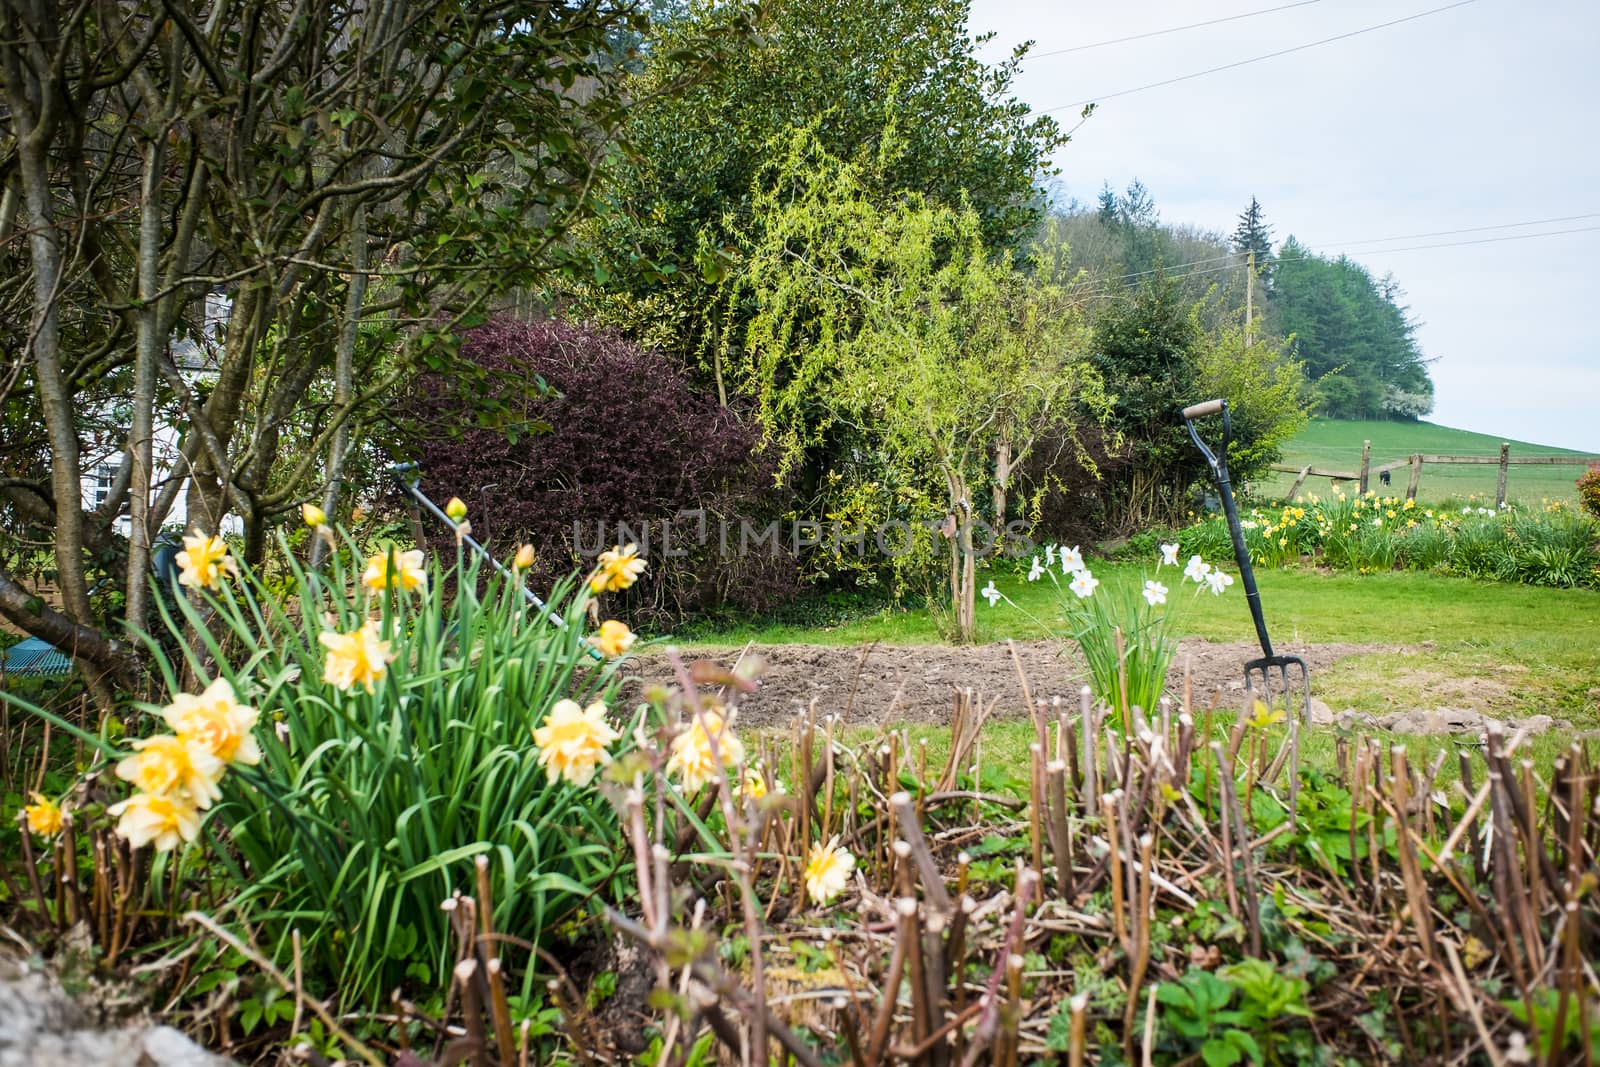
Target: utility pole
{"type": "Point", "coordinates": [1249, 298]}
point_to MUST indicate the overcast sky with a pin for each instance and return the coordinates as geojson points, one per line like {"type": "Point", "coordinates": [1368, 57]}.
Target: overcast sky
{"type": "Point", "coordinates": [1477, 116]}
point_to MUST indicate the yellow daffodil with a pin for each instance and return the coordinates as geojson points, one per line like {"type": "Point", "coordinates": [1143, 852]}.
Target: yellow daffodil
{"type": "Point", "coordinates": [692, 760]}
{"type": "Point", "coordinates": [165, 764]}
{"type": "Point", "coordinates": [828, 871]}
{"type": "Point", "coordinates": [617, 570]}
{"type": "Point", "coordinates": [524, 557]}
{"type": "Point", "coordinates": [203, 561]}
{"type": "Point", "coordinates": [44, 815]}
{"type": "Point", "coordinates": [613, 639]}
{"type": "Point", "coordinates": [752, 784]}
{"type": "Point", "coordinates": [217, 722]}
{"type": "Point", "coordinates": [408, 572]}
{"type": "Point", "coordinates": [164, 820]}
{"type": "Point", "coordinates": [456, 509]}
{"type": "Point", "coordinates": [359, 657]}
{"type": "Point", "coordinates": [1266, 716]}
{"type": "Point", "coordinates": [572, 742]}
{"type": "Point", "coordinates": [313, 515]}
{"type": "Point", "coordinates": [1410, 504]}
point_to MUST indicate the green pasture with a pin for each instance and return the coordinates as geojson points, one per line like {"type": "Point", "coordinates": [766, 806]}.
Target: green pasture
{"type": "Point", "coordinates": [1335, 444]}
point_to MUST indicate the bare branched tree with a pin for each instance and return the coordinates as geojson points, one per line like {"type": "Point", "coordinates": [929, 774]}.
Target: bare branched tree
{"type": "Point", "coordinates": [351, 180]}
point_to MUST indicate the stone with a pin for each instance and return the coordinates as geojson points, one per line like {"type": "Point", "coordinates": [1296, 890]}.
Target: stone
{"type": "Point", "coordinates": [40, 1026]}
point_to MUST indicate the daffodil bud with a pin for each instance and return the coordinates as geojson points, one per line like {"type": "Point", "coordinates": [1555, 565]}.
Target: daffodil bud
{"type": "Point", "coordinates": [456, 509]}
{"type": "Point", "coordinates": [524, 557]}
{"type": "Point", "coordinates": [313, 515]}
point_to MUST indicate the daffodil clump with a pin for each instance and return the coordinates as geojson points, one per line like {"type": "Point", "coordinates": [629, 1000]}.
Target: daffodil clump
{"type": "Point", "coordinates": [1369, 534]}
{"type": "Point", "coordinates": [398, 725]}
{"type": "Point", "coordinates": [1126, 632]}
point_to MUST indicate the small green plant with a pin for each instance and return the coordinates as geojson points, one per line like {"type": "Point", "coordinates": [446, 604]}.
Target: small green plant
{"type": "Point", "coordinates": [1126, 632]}
{"type": "Point", "coordinates": [1199, 1016]}
{"type": "Point", "coordinates": [1203, 1015]}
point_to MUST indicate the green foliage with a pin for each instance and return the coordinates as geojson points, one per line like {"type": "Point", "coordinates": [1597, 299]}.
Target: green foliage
{"type": "Point", "coordinates": [1549, 1006]}
{"type": "Point", "coordinates": [1355, 337]}
{"type": "Point", "coordinates": [891, 338]}
{"type": "Point", "coordinates": [368, 809]}
{"type": "Point", "coordinates": [1203, 1016]}
{"type": "Point", "coordinates": [1589, 490]}
{"type": "Point", "coordinates": [1551, 546]}
{"type": "Point", "coordinates": [898, 83]}
{"type": "Point", "coordinates": [1253, 235]}
{"type": "Point", "coordinates": [1126, 629]}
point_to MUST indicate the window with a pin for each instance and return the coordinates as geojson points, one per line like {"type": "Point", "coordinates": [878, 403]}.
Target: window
{"type": "Point", "coordinates": [103, 476]}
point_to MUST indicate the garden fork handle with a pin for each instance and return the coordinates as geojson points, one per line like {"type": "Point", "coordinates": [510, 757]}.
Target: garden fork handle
{"type": "Point", "coordinates": [1218, 462]}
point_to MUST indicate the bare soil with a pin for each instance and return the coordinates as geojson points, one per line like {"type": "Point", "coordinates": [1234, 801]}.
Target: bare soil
{"type": "Point", "coordinates": [896, 683]}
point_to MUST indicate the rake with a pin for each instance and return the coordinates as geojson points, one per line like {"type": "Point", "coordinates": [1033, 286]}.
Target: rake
{"type": "Point", "coordinates": [1285, 674]}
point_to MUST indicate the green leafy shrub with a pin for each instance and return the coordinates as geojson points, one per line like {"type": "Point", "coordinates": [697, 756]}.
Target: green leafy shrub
{"type": "Point", "coordinates": [1589, 490]}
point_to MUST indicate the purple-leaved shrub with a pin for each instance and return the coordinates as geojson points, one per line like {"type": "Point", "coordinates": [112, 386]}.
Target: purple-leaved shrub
{"type": "Point", "coordinates": [618, 437]}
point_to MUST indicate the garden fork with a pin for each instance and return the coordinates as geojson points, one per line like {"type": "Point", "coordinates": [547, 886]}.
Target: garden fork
{"type": "Point", "coordinates": [1269, 668]}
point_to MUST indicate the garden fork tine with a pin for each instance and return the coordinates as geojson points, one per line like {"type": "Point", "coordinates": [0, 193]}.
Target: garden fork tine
{"type": "Point", "coordinates": [1268, 663]}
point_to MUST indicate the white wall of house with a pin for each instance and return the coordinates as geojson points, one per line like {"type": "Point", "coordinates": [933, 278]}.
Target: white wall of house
{"type": "Point", "coordinates": [196, 361]}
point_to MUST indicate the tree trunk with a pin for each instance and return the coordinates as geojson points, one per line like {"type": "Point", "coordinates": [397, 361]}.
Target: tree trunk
{"type": "Point", "coordinates": [963, 567]}
{"type": "Point", "coordinates": [1002, 480]}
{"type": "Point", "coordinates": [141, 434]}
{"type": "Point", "coordinates": [344, 369]}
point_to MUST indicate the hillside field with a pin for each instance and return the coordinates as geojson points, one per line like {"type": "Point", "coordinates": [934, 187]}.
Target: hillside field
{"type": "Point", "coordinates": [1336, 444]}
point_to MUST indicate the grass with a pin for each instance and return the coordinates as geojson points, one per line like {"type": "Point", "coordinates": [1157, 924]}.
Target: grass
{"type": "Point", "coordinates": [1533, 650]}
{"type": "Point", "coordinates": [1336, 444]}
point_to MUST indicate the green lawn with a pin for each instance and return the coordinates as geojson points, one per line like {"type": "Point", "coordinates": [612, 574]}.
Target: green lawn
{"type": "Point", "coordinates": [1336, 444]}
{"type": "Point", "coordinates": [1537, 644]}
{"type": "Point", "coordinates": [1535, 648]}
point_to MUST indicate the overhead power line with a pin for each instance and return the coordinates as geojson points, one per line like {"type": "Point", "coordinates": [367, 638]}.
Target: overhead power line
{"type": "Point", "coordinates": [1469, 229]}
{"type": "Point", "coordinates": [1170, 29]}
{"type": "Point", "coordinates": [1182, 271]}
{"type": "Point", "coordinates": [1256, 59]}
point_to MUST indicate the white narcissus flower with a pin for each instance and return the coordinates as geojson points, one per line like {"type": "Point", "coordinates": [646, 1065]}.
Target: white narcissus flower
{"type": "Point", "coordinates": [1036, 571]}
{"type": "Point", "coordinates": [993, 595]}
{"type": "Point", "coordinates": [1084, 584]}
{"type": "Point", "coordinates": [1197, 569]}
{"type": "Point", "coordinates": [1155, 593]}
{"type": "Point", "coordinates": [1169, 555]}
{"type": "Point", "coordinates": [1050, 555]}
{"type": "Point", "coordinates": [1218, 581]}
{"type": "Point", "coordinates": [828, 871]}
{"type": "Point", "coordinates": [1071, 560]}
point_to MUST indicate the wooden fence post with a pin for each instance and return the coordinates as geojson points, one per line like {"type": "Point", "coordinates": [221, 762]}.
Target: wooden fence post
{"type": "Point", "coordinates": [1416, 475]}
{"type": "Point", "coordinates": [1366, 461]}
{"type": "Point", "coordinates": [1500, 489]}
{"type": "Point", "coordinates": [1294, 490]}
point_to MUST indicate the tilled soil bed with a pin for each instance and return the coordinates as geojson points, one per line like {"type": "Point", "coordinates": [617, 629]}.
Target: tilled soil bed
{"type": "Point", "coordinates": [883, 683]}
